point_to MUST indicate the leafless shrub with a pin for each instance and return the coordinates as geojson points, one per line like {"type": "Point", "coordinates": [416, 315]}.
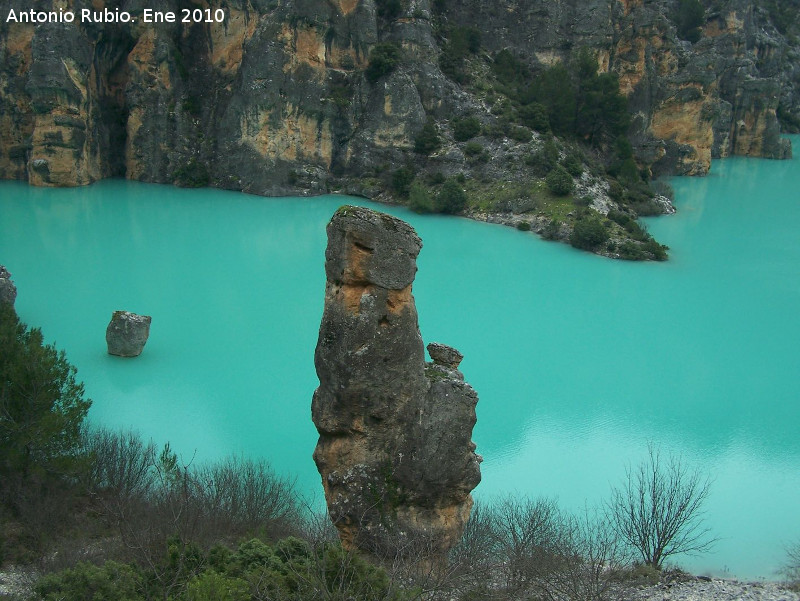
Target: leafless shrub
{"type": "Point", "coordinates": [792, 568]}
{"type": "Point", "coordinates": [120, 465]}
{"type": "Point", "coordinates": [586, 560]}
{"type": "Point", "coordinates": [526, 532]}
{"type": "Point", "coordinates": [658, 512]}
{"type": "Point", "coordinates": [245, 496]}
{"type": "Point", "coordinates": [476, 561]}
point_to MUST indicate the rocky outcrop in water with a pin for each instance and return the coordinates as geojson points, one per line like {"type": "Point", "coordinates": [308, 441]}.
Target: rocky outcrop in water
{"type": "Point", "coordinates": [127, 333]}
{"type": "Point", "coordinates": [395, 451]}
{"type": "Point", "coordinates": [8, 291]}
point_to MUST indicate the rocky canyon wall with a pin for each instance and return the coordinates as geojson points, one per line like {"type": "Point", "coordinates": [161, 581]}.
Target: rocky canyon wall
{"type": "Point", "coordinates": [273, 99]}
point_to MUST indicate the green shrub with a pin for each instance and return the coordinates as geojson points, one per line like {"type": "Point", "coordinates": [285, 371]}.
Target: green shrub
{"type": "Point", "coordinates": [383, 59]}
{"type": "Point", "coordinates": [472, 149]}
{"type": "Point", "coordinates": [349, 573]}
{"type": "Point", "coordinates": [464, 129]}
{"type": "Point", "coordinates": [658, 251]}
{"type": "Point", "coordinates": [559, 182]}
{"type": "Point", "coordinates": [534, 115]}
{"type": "Point", "coordinates": [461, 42]}
{"type": "Point", "coordinates": [615, 191]}
{"type": "Point", "coordinates": [451, 198]}
{"type": "Point", "coordinates": [401, 180]}
{"type": "Point", "coordinates": [254, 554]}
{"type": "Point", "coordinates": [524, 226]}
{"type": "Point", "coordinates": [436, 178]}
{"type": "Point", "coordinates": [573, 164]}
{"type": "Point", "coordinates": [544, 160]}
{"type": "Point", "coordinates": [120, 582]}
{"type": "Point", "coordinates": [419, 199]}
{"type": "Point", "coordinates": [588, 233]}
{"type": "Point", "coordinates": [427, 140]}
{"type": "Point", "coordinates": [211, 586]}
{"type": "Point", "coordinates": [520, 134]}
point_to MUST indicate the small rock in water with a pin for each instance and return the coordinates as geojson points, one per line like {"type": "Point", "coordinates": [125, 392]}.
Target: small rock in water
{"type": "Point", "coordinates": [127, 333]}
{"type": "Point", "coordinates": [8, 291]}
{"type": "Point", "coordinates": [444, 355]}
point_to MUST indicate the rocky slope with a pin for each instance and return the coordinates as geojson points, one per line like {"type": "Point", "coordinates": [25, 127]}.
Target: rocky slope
{"type": "Point", "coordinates": [277, 99]}
{"type": "Point", "coordinates": [395, 451]}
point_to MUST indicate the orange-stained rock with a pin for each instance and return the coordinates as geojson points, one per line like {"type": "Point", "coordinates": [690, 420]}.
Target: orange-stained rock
{"type": "Point", "coordinates": [395, 451]}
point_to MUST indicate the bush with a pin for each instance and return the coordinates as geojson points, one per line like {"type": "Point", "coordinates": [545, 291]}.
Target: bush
{"type": "Point", "coordinates": [464, 129]}
{"type": "Point", "coordinates": [462, 42]}
{"type": "Point", "coordinates": [451, 198]}
{"type": "Point", "coordinates": [419, 199]}
{"type": "Point", "coordinates": [534, 115]}
{"type": "Point", "coordinates": [211, 586]}
{"type": "Point", "coordinates": [544, 160]}
{"type": "Point", "coordinates": [117, 581]}
{"type": "Point", "coordinates": [573, 164]}
{"type": "Point", "coordinates": [427, 140]}
{"type": "Point", "coordinates": [519, 134]}
{"type": "Point", "coordinates": [472, 149]}
{"type": "Point", "coordinates": [436, 178]}
{"type": "Point", "coordinates": [658, 251]}
{"type": "Point", "coordinates": [559, 182]}
{"type": "Point", "coordinates": [383, 59]}
{"type": "Point", "coordinates": [588, 233]}
{"type": "Point", "coordinates": [401, 180]}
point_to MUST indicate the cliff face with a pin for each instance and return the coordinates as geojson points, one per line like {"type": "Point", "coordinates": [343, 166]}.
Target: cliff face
{"type": "Point", "coordinates": [394, 451]}
{"type": "Point", "coordinates": [690, 102]}
{"type": "Point", "coordinates": [273, 99]}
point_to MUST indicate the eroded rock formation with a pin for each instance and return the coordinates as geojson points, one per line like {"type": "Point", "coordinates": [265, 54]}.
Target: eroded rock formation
{"type": "Point", "coordinates": [127, 333]}
{"type": "Point", "coordinates": [395, 451]}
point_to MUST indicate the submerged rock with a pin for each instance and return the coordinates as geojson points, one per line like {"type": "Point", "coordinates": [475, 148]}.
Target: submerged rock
{"type": "Point", "coordinates": [127, 333]}
{"type": "Point", "coordinates": [395, 451]}
{"type": "Point", "coordinates": [8, 291]}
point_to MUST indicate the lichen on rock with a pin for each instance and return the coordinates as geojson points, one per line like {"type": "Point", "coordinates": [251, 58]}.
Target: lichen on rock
{"type": "Point", "coordinates": [395, 450]}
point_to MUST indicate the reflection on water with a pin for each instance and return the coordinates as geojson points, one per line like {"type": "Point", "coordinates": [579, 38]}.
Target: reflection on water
{"type": "Point", "coordinates": [579, 361]}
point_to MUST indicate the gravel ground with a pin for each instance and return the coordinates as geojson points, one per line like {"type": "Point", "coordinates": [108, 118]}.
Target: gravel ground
{"type": "Point", "coordinates": [704, 589]}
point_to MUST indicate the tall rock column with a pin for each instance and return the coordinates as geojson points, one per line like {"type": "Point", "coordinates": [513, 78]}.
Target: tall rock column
{"type": "Point", "coordinates": [395, 451]}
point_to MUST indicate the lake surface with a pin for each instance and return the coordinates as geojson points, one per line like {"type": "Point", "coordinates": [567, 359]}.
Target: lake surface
{"type": "Point", "coordinates": [579, 361]}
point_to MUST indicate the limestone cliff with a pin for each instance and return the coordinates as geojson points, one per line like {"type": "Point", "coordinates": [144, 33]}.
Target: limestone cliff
{"type": "Point", "coordinates": [691, 102]}
{"type": "Point", "coordinates": [395, 451]}
{"type": "Point", "coordinates": [272, 99]}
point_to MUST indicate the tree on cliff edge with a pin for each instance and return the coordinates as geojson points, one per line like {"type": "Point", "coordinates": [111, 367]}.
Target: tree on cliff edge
{"type": "Point", "coordinates": [41, 404]}
{"type": "Point", "coordinates": [658, 510]}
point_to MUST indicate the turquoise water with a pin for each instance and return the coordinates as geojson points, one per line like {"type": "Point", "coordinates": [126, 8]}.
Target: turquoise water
{"type": "Point", "coordinates": [579, 361]}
